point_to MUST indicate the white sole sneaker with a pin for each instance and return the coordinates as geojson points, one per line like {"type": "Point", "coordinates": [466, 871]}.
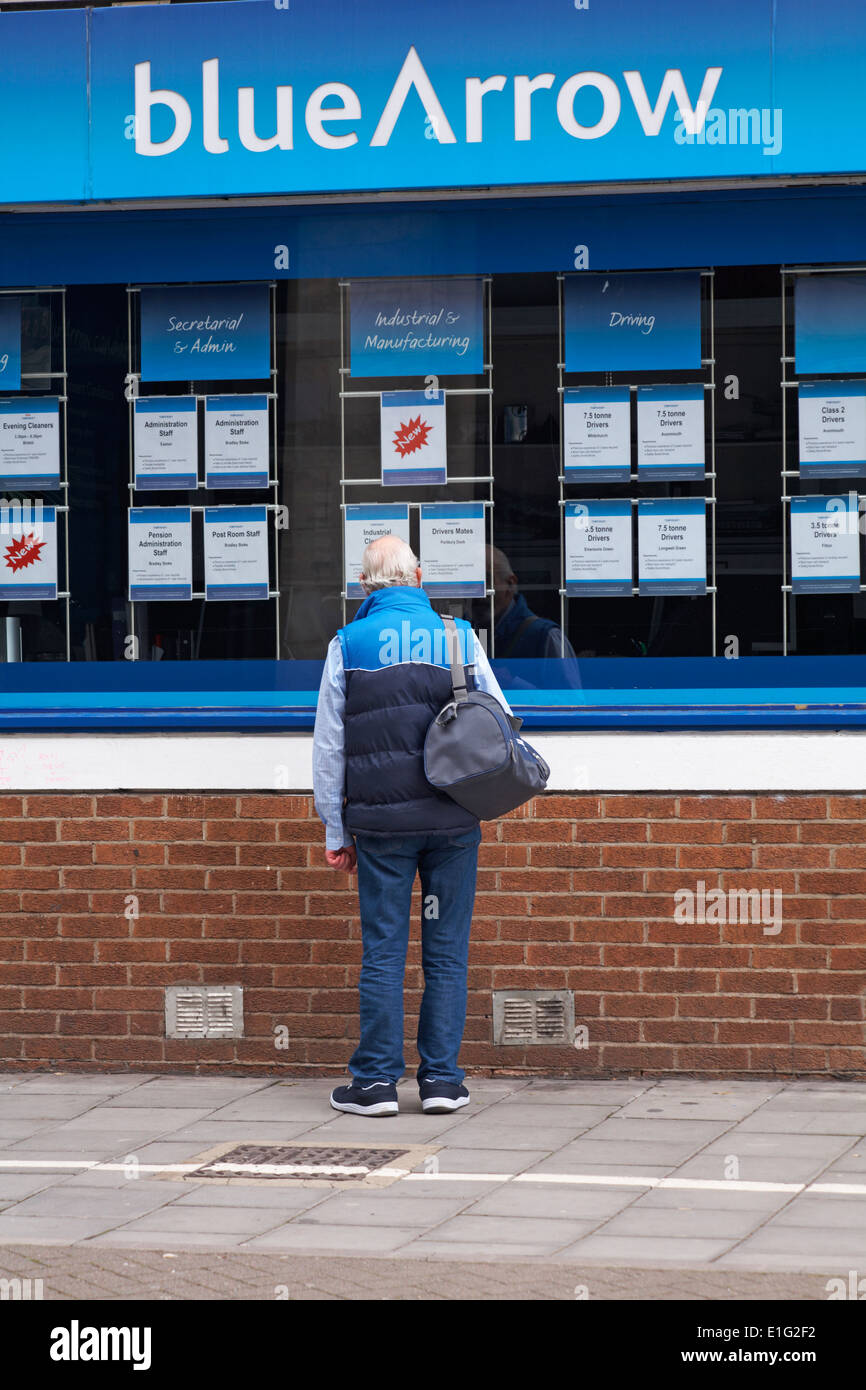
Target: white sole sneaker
{"type": "Point", "coordinates": [383, 1107]}
{"type": "Point", "coordinates": [443, 1105]}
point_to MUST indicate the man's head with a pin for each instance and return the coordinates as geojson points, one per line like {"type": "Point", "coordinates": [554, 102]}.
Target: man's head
{"type": "Point", "coordinates": [504, 580]}
{"type": "Point", "coordinates": [389, 562]}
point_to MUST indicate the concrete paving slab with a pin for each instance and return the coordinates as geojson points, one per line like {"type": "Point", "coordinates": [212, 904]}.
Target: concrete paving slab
{"type": "Point", "coordinates": [637, 1154]}
{"type": "Point", "coordinates": [181, 1220]}
{"type": "Point", "coordinates": [306, 1236]}
{"type": "Point", "coordinates": [13, 1130]}
{"type": "Point", "coordinates": [209, 1131]}
{"type": "Point", "coordinates": [209, 1096]}
{"type": "Point", "coordinates": [661, 1129]}
{"type": "Point", "coordinates": [14, 1187]}
{"type": "Point", "coordinates": [481, 1134]}
{"type": "Point", "coordinates": [824, 1211]}
{"type": "Point", "coordinates": [565, 1162]}
{"type": "Point", "coordinates": [115, 1206]}
{"type": "Point", "coordinates": [807, 1242]}
{"type": "Point", "coordinates": [85, 1083]}
{"type": "Point", "coordinates": [392, 1130]}
{"type": "Point", "coordinates": [757, 1144]}
{"type": "Point", "coordinates": [766, 1121]}
{"type": "Point", "coordinates": [731, 1108]}
{"type": "Point", "coordinates": [155, 1120]}
{"type": "Point", "coordinates": [167, 1240]}
{"type": "Point", "coordinates": [512, 1230]}
{"type": "Point", "coordinates": [551, 1091]}
{"type": "Point", "coordinates": [577, 1118]}
{"type": "Point", "coordinates": [87, 1145]}
{"type": "Point", "coordinates": [672, 1223]}
{"type": "Point", "coordinates": [48, 1106]}
{"type": "Point", "coordinates": [714, 1199]}
{"type": "Point", "coordinates": [646, 1249]}
{"type": "Point", "coordinates": [753, 1167]}
{"type": "Point", "coordinates": [49, 1230]}
{"type": "Point", "coordinates": [284, 1198]}
{"type": "Point", "coordinates": [594, 1204]}
{"type": "Point", "coordinates": [359, 1209]}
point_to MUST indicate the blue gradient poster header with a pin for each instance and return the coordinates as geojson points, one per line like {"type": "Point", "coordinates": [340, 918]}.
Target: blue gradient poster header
{"type": "Point", "coordinates": [206, 333]}
{"type": "Point", "coordinates": [264, 98]}
{"type": "Point", "coordinates": [830, 323]}
{"type": "Point", "coordinates": [632, 323]}
{"type": "Point", "coordinates": [414, 327]}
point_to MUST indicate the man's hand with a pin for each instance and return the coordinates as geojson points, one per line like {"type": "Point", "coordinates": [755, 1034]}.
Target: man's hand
{"type": "Point", "coordinates": [344, 859]}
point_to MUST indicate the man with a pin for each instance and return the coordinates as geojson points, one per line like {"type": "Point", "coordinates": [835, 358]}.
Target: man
{"type": "Point", "coordinates": [386, 677]}
{"type": "Point", "coordinates": [518, 631]}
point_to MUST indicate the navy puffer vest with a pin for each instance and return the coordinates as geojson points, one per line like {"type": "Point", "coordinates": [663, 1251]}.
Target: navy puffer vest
{"type": "Point", "coordinates": [397, 680]}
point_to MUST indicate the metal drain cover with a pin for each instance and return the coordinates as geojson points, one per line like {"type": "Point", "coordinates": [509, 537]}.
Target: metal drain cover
{"type": "Point", "coordinates": [318, 1165]}
{"type": "Point", "coordinates": [270, 1161]}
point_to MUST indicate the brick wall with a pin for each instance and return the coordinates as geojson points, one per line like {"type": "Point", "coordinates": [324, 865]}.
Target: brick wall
{"type": "Point", "coordinates": [574, 892]}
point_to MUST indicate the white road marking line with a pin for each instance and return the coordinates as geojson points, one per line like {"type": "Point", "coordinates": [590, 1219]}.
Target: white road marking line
{"type": "Point", "coordinates": [325, 1170]}
{"type": "Point", "coordinates": [850, 1189]}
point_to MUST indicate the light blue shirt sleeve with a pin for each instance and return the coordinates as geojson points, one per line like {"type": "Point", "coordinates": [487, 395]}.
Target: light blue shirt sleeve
{"type": "Point", "coordinates": [329, 749]}
{"type": "Point", "coordinates": [484, 677]}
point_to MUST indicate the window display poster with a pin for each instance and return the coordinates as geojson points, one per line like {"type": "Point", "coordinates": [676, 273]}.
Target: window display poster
{"type": "Point", "coordinates": [160, 554]}
{"type": "Point", "coordinates": [366, 522]}
{"type": "Point", "coordinates": [672, 545]}
{"type": "Point", "coordinates": [832, 422]}
{"type": "Point", "coordinates": [30, 442]}
{"type": "Point", "coordinates": [236, 446]}
{"type": "Point", "coordinates": [638, 322]}
{"type": "Point", "coordinates": [452, 549]}
{"type": "Point", "coordinates": [598, 548]}
{"type": "Point", "coordinates": [10, 343]}
{"type": "Point", "coordinates": [417, 327]}
{"type": "Point", "coordinates": [825, 545]}
{"type": "Point", "coordinates": [671, 431]}
{"type": "Point", "coordinates": [28, 552]}
{"type": "Point", "coordinates": [413, 438]}
{"type": "Point", "coordinates": [596, 423]}
{"type": "Point", "coordinates": [206, 333]}
{"type": "Point", "coordinates": [829, 312]}
{"type": "Point", "coordinates": [165, 442]}
{"type": "Point", "coordinates": [236, 553]}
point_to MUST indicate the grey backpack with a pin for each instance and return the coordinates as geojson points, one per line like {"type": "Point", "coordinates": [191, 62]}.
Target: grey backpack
{"type": "Point", "coordinates": [472, 751]}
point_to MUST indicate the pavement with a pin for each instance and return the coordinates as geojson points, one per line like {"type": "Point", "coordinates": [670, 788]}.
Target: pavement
{"type": "Point", "coordinates": [131, 1186]}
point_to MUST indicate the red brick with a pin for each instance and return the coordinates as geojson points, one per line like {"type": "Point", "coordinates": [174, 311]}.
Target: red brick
{"type": "Point", "coordinates": [59, 806]}
{"type": "Point", "coordinates": [93, 831]}
{"type": "Point", "coordinates": [787, 807]}
{"type": "Point", "coordinates": [639, 807]}
{"type": "Point", "coordinates": [276, 806]}
{"type": "Point", "coordinates": [715, 808]}
{"type": "Point", "coordinates": [129, 805]}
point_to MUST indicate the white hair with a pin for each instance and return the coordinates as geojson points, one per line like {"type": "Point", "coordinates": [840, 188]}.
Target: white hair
{"type": "Point", "coordinates": [388, 562]}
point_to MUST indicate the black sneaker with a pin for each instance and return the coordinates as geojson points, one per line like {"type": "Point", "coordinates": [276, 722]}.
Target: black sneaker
{"type": "Point", "coordinates": [441, 1097]}
{"type": "Point", "coordinates": [378, 1098]}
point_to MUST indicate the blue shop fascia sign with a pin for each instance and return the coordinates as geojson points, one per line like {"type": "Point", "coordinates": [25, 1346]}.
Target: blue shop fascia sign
{"type": "Point", "coordinates": [261, 97]}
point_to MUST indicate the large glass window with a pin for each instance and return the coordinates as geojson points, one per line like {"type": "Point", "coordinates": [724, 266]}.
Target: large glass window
{"type": "Point", "coordinates": [326, 455]}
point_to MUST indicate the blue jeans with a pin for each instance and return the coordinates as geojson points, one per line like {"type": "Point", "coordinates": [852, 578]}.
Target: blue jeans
{"type": "Point", "coordinates": [447, 865]}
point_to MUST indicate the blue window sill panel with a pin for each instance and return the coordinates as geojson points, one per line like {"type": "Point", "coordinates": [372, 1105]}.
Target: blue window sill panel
{"type": "Point", "coordinates": [597, 693]}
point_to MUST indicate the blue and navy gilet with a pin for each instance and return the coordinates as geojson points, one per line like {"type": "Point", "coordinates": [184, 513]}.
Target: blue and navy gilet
{"type": "Point", "coordinates": [397, 680]}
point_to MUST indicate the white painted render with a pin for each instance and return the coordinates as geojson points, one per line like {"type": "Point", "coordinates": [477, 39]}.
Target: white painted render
{"type": "Point", "coordinates": [723, 761]}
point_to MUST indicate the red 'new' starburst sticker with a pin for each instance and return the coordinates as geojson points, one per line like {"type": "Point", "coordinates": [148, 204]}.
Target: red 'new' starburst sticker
{"type": "Point", "coordinates": [23, 552]}
{"type": "Point", "coordinates": [411, 437]}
